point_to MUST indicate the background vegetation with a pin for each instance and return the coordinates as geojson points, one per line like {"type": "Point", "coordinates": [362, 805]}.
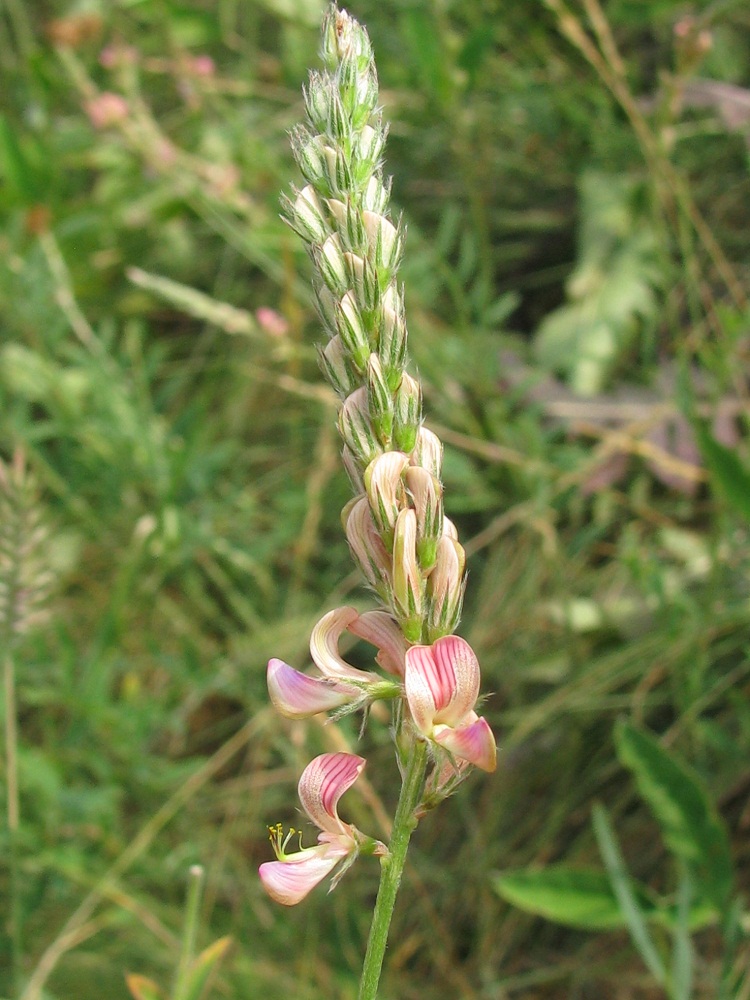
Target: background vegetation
{"type": "Point", "coordinates": [576, 187]}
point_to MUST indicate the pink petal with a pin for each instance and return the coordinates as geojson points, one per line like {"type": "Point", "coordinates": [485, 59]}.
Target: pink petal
{"type": "Point", "coordinates": [442, 682]}
{"type": "Point", "coordinates": [324, 647]}
{"type": "Point", "coordinates": [323, 782]}
{"type": "Point", "coordinates": [297, 696]}
{"type": "Point", "coordinates": [474, 743]}
{"type": "Point", "coordinates": [288, 882]}
{"type": "Point", "coordinates": [454, 654]}
{"type": "Point", "coordinates": [379, 629]}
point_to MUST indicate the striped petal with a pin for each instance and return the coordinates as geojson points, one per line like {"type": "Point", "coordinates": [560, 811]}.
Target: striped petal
{"type": "Point", "coordinates": [324, 647]}
{"type": "Point", "coordinates": [442, 682]}
{"type": "Point", "coordinates": [323, 782]}
{"type": "Point", "coordinates": [379, 629]}
{"type": "Point", "coordinates": [288, 882]}
{"type": "Point", "coordinates": [474, 743]}
{"type": "Point", "coordinates": [297, 696]}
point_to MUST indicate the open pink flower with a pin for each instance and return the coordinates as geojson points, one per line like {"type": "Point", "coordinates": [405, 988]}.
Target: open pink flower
{"type": "Point", "coordinates": [442, 684]}
{"type": "Point", "coordinates": [325, 779]}
{"type": "Point", "coordinates": [298, 696]}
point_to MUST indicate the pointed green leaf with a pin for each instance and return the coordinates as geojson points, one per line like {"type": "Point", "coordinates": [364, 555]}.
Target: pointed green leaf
{"type": "Point", "coordinates": [691, 827]}
{"type": "Point", "coordinates": [728, 474]}
{"type": "Point", "coordinates": [624, 888]}
{"type": "Point", "coordinates": [574, 897]}
{"type": "Point", "coordinates": [143, 988]}
{"type": "Point", "coordinates": [203, 966]}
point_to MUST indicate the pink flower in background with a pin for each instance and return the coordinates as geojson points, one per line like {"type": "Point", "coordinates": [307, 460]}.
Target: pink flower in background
{"type": "Point", "coordinates": [203, 65]}
{"type": "Point", "coordinates": [107, 109]}
{"type": "Point", "coordinates": [442, 685]}
{"type": "Point", "coordinates": [271, 322]}
{"type": "Point", "coordinates": [292, 876]}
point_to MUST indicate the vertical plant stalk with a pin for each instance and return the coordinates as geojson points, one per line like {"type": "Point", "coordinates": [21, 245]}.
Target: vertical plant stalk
{"type": "Point", "coordinates": [24, 583]}
{"type": "Point", "coordinates": [14, 812]}
{"type": "Point", "coordinates": [391, 869]}
{"type": "Point", "coordinates": [189, 932]}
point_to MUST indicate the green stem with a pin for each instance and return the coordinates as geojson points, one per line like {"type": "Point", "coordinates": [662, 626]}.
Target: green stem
{"type": "Point", "coordinates": [392, 867]}
{"type": "Point", "coordinates": [11, 760]}
{"type": "Point", "coordinates": [189, 932]}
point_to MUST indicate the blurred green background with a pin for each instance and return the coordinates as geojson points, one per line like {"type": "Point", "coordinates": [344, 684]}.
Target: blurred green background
{"type": "Point", "coordinates": [575, 182]}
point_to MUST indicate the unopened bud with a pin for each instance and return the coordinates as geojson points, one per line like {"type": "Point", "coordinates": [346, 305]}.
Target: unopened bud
{"type": "Point", "coordinates": [426, 493]}
{"type": "Point", "coordinates": [306, 215]}
{"type": "Point", "coordinates": [407, 578]}
{"type": "Point", "coordinates": [386, 244]}
{"type": "Point", "coordinates": [334, 362]}
{"type": "Point", "coordinates": [327, 304]}
{"type": "Point", "coordinates": [428, 452]}
{"type": "Point", "coordinates": [392, 338]}
{"type": "Point", "coordinates": [445, 589]}
{"type": "Point", "coordinates": [380, 401]}
{"type": "Point", "coordinates": [376, 195]}
{"type": "Point", "coordinates": [356, 429]}
{"type": "Point", "coordinates": [407, 413]}
{"type": "Point", "coordinates": [385, 491]}
{"type": "Point", "coordinates": [352, 331]}
{"type": "Point", "coordinates": [354, 471]}
{"type": "Point", "coordinates": [316, 96]}
{"type": "Point", "coordinates": [367, 546]}
{"type": "Point", "coordinates": [308, 152]}
{"type": "Point", "coordinates": [332, 265]}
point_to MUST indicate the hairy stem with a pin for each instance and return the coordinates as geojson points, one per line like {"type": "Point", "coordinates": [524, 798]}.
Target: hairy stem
{"type": "Point", "coordinates": [392, 868]}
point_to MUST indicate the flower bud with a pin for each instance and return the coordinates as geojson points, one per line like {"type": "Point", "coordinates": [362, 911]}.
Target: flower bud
{"type": "Point", "coordinates": [407, 579]}
{"type": "Point", "coordinates": [376, 195]}
{"type": "Point", "coordinates": [385, 491]}
{"type": "Point", "coordinates": [356, 429]}
{"type": "Point", "coordinates": [352, 331]}
{"type": "Point", "coordinates": [354, 471]}
{"type": "Point", "coordinates": [344, 37]}
{"type": "Point", "coordinates": [386, 244]}
{"type": "Point", "coordinates": [308, 152]}
{"type": "Point", "coordinates": [428, 452]}
{"type": "Point", "coordinates": [445, 589]}
{"type": "Point", "coordinates": [327, 304]}
{"type": "Point", "coordinates": [316, 96]}
{"type": "Point", "coordinates": [426, 493]}
{"type": "Point", "coordinates": [334, 363]}
{"type": "Point", "coordinates": [380, 401]}
{"type": "Point", "coordinates": [367, 149]}
{"type": "Point", "coordinates": [407, 413]}
{"type": "Point", "coordinates": [332, 265]}
{"type": "Point", "coordinates": [392, 338]}
{"type": "Point", "coordinates": [306, 215]}
{"type": "Point", "coordinates": [367, 547]}
{"type": "Point", "coordinates": [364, 281]}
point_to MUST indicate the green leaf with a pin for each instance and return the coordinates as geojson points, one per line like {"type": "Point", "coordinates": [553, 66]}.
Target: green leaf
{"type": "Point", "coordinates": [691, 827]}
{"type": "Point", "coordinates": [728, 474]}
{"type": "Point", "coordinates": [202, 967]}
{"type": "Point", "coordinates": [575, 897]}
{"type": "Point", "coordinates": [624, 889]}
{"type": "Point", "coordinates": [143, 988]}
{"type": "Point", "coordinates": [21, 176]}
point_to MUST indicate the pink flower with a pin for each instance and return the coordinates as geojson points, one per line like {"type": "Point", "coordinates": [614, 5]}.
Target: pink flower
{"type": "Point", "coordinates": [271, 321]}
{"type": "Point", "coordinates": [107, 109]}
{"type": "Point", "coordinates": [299, 696]}
{"type": "Point", "coordinates": [325, 779]}
{"type": "Point", "coordinates": [442, 684]}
